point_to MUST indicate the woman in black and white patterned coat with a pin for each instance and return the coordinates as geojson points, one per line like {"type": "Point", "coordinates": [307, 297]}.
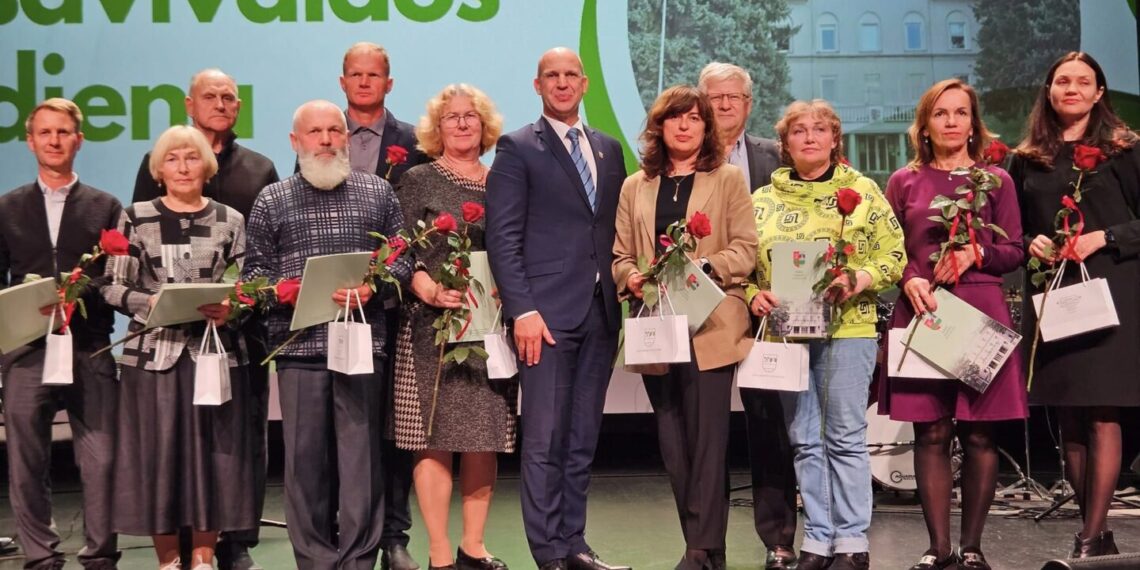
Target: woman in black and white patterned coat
{"type": "Point", "coordinates": [179, 465]}
{"type": "Point", "coordinates": [474, 416]}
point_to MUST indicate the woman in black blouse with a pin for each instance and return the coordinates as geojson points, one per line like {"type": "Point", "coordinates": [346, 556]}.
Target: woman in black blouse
{"type": "Point", "coordinates": [1091, 376]}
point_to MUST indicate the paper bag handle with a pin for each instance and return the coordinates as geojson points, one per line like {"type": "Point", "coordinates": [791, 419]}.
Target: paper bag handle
{"type": "Point", "coordinates": [664, 297]}
{"type": "Point", "coordinates": [763, 326]}
{"type": "Point", "coordinates": [211, 332]}
{"type": "Point", "coordinates": [51, 322]}
{"type": "Point", "coordinates": [348, 311]}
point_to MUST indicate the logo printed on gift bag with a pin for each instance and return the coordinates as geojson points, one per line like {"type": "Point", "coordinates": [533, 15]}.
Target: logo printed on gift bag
{"type": "Point", "coordinates": [770, 362]}
{"type": "Point", "coordinates": [648, 338]}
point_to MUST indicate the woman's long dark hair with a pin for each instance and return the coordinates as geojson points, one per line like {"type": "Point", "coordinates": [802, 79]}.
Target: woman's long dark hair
{"type": "Point", "coordinates": [674, 101]}
{"type": "Point", "coordinates": [1043, 133]}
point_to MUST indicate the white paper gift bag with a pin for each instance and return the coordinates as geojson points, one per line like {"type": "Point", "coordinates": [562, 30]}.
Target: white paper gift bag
{"type": "Point", "coordinates": [1075, 309]}
{"type": "Point", "coordinates": [212, 370]}
{"type": "Point", "coordinates": [350, 342]}
{"type": "Point", "coordinates": [657, 339]}
{"type": "Point", "coordinates": [502, 363]}
{"type": "Point", "coordinates": [58, 356]}
{"type": "Point", "coordinates": [774, 365]}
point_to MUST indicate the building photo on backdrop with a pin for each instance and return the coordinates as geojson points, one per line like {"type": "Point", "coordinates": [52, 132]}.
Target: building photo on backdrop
{"type": "Point", "coordinates": [416, 108]}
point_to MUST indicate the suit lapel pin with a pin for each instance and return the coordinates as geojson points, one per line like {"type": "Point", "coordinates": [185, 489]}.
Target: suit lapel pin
{"type": "Point", "coordinates": [601, 154]}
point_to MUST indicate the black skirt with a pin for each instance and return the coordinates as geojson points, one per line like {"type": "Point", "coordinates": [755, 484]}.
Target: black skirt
{"type": "Point", "coordinates": [179, 465]}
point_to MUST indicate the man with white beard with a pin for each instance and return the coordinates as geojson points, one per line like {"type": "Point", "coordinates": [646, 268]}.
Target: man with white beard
{"type": "Point", "coordinates": [323, 209]}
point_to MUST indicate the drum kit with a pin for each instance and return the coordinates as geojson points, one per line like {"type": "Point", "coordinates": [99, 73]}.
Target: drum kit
{"type": "Point", "coordinates": [891, 446]}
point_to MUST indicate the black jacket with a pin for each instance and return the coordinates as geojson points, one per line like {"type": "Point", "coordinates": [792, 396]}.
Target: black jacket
{"type": "Point", "coordinates": [242, 173]}
{"type": "Point", "coordinates": [25, 247]}
{"type": "Point", "coordinates": [763, 158]}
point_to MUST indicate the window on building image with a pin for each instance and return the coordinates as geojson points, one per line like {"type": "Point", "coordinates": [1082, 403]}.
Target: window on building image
{"type": "Point", "coordinates": [869, 33]}
{"type": "Point", "coordinates": [872, 90]}
{"type": "Point", "coordinates": [783, 34]}
{"type": "Point", "coordinates": [828, 33]}
{"type": "Point", "coordinates": [956, 29]}
{"type": "Point", "coordinates": [914, 32]}
{"type": "Point", "coordinates": [828, 88]}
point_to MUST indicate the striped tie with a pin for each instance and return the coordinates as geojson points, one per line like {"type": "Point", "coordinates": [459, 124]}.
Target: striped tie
{"type": "Point", "coordinates": [581, 165]}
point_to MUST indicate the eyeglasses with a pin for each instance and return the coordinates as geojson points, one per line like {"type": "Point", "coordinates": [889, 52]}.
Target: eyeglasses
{"type": "Point", "coordinates": [452, 120]}
{"type": "Point", "coordinates": [733, 98]}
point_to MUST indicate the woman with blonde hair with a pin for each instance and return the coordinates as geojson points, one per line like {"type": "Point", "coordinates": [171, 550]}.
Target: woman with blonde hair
{"type": "Point", "coordinates": [951, 138]}
{"type": "Point", "coordinates": [827, 425]}
{"type": "Point", "coordinates": [475, 416]}
{"type": "Point", "coordinates": [179, 465]}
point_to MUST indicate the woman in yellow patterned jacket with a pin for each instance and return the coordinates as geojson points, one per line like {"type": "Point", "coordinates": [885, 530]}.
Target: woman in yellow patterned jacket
{"type": "Point", "coordinates": [826, 424]}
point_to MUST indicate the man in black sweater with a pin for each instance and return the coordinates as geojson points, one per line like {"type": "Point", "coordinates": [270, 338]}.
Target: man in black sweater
{"type": "Point", "coordinates": [45, 227]}
{"type": "Point", "coordinates": [213, 105]}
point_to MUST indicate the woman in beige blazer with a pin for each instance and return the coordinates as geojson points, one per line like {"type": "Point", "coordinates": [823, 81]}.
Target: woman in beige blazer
{"type": "Point", "coordinates": [682, 172]}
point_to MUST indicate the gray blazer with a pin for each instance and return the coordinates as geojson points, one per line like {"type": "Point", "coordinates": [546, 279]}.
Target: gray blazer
{"type": "Point", "coordinates": [763, 158]}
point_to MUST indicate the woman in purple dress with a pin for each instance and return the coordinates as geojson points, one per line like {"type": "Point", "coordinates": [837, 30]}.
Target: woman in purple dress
{"type": "Point", "coordinates": [949, 135]}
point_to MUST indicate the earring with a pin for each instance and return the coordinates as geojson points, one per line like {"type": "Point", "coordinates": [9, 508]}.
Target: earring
{"type": "Point", "coordinates": [971, 139]}
{"type": "Point", "coordinates": [926, 140]}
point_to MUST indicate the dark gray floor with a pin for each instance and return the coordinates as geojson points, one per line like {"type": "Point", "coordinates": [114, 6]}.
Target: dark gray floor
{"type": "Point", "coordinates": [632, 520]}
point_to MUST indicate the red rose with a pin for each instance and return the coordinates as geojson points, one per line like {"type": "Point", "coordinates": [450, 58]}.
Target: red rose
{"type": "Point", "coordinates": [970, 196]}
{"type": "Point", "coordinates": [445, 222]}
{"type": "Point", "coordinates": [397, 155]}
{"type": "Point", "coordinates": [849, 249]}
{"type": "Point", "coordinates": [75, 275]}
{"type": "Point", "coordinates": [246, 299]}
{"type": "Point", "coordinates": [287, 290]}
{"type": "Point", "coordinates": [113, 243]}
{"type": "Point", "coordinates": [398, 246]}
{"type": "Point", "coordinates": [699, 225]}
{"type": "Point", "coordinates": [472, 212]}
{"type": "Point", "coordinates": [1087, 157]}
{"type": "Point", "coordinates": [996, 152]}
{"type": "Point", "coordinates": [835, 271]}
{"type": "Point", "coordinates": [829, 254]}
{"type": "Point", "coordinates": [846, 200]}
{"type": "Point", "coordinates": [665, 240]}
{"type": "Point", "coordinates": [1068, 202]}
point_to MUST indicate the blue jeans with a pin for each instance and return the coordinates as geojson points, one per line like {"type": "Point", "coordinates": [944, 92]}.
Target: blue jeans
{"type": "Point", "coordinates": [832, 464]}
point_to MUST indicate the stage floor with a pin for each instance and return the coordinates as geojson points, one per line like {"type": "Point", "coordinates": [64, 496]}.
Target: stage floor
{"type": "Point", "coordinates": [632, 520]}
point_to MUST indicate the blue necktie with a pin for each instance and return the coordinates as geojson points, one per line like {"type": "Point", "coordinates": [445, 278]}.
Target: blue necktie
{"type": "Point", "coordinates": [581, 165]}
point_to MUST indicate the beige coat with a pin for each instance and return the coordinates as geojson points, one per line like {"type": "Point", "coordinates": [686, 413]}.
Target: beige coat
{"type": "Point", "coordinates": [722, 195]}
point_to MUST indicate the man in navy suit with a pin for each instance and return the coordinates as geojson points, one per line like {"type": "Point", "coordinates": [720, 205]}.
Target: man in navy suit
{"type": "Point", "coordinates": [552, 198]}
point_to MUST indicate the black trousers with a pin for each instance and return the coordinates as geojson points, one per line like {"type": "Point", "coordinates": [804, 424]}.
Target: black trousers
{"type": "Point", "coordinates": [692, 409]}
{"type": "Point", "coordinates": [397, 462]}
{"type": "Point", "coordinates": [773, 473]}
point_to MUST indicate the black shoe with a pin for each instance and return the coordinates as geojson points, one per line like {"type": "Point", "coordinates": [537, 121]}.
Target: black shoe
{"type": "Point", "coordinates": [717, 559]}
{"type": "Point", "coordinates": [465, 562]}
{"type": "Point", "coordinates": [972, 559]}
{"type": "Point", "coordinates": [396, 557]}
{"type": "Point", "coordinates": [852, 561]}
{"type": "Point", "coordinates": [238, 558]}
{"type": "Point", "coordinates": [589, 560]}
{"type": "Point", "coordinates": [930, 561]}
{"type": "Point", "coordinates": [1102, 544]}
{"type": "Point", "coordinates": [813, 561]}
{"type": "Point", "coordinates": [1109, 543]}
{"type": "Point", "coordinates": [780, 558]}
{"type": "Point", "coordinates": [7, 545]}
{"type": "Point", "coordinates": [556, 564]}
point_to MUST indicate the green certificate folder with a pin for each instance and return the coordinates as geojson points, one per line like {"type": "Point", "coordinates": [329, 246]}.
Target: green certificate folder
{"type": "Point", "coordinates": [796, 266]}
{"type": "Point", "coordinates": [178, 303]}
{"type": "Point", "coordinates": [483, 316]}
{"type": "Point", "coordinates": [20, 312]}
{"type": "Point", "coordinates": [693, 294]}
{"type": "Point", "coordinates": [323, 275]}
{"type": "Point", "coordinates": [962, 341]}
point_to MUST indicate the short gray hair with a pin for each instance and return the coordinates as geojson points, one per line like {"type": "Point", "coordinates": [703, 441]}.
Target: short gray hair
{"type": "Point", "coordinates": [210, 72]}
{"type": "Point", "coordinates": [317, 103]}
{"type": "Point", "coordinates": [717, 71]}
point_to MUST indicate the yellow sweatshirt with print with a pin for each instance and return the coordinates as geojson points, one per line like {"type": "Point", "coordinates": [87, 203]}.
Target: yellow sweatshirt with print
{"type": "Point", "coordinates": [790, 210]}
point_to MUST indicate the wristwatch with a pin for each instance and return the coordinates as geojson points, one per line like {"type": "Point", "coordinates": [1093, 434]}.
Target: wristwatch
{"type": "Point", "coordinates": [706, 266]}
{"type": "Point", "coordinates": [1110, 239]}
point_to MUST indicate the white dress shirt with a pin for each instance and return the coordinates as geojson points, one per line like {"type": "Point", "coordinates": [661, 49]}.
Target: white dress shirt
{"type": "Point", "coordinates": [54, 200]}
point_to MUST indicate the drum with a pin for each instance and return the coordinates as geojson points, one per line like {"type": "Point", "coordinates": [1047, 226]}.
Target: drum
{"type": "Point", "coordinates": [891, 445]}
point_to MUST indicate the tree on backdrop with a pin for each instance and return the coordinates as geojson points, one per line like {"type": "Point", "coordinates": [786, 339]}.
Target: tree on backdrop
{"type": "Point", "coordinates": [700, 31]}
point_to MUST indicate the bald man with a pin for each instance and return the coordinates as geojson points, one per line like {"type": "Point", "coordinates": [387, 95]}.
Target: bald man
{"type": "Point", "coordinates": [327, 208]}
{"type": "Point", "coordinates": [552, 198]}
{"type": "Point", "coordinates": [213, 105]}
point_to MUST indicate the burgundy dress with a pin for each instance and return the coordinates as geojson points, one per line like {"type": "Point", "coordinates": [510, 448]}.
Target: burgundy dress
{"type": "Point", "coordinates": [923, 400]}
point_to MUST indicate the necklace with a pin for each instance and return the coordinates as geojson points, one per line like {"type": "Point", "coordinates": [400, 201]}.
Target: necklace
{"type": "Point", "coordinates": [677, 180]}
{"type": "Point", "coordinates": [458, 168]}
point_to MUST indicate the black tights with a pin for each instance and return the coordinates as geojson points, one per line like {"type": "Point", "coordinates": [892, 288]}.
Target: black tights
{"type": "Point", "coordinates": [936, 481]}
{"type": "Point", "coordinates": [1090, 438]}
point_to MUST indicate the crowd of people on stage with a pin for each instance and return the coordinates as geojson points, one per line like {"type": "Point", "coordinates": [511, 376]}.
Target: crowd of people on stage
{"type": "Point", "coordinates": [566, 233]}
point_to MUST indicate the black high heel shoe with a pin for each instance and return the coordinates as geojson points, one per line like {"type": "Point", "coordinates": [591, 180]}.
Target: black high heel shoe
{"type": "Point", "coordinates": [465, 562]}
{"type": "Point", "coordinates": [972, 559]}
{"type": "Point", "coordinates": [930, 561]}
